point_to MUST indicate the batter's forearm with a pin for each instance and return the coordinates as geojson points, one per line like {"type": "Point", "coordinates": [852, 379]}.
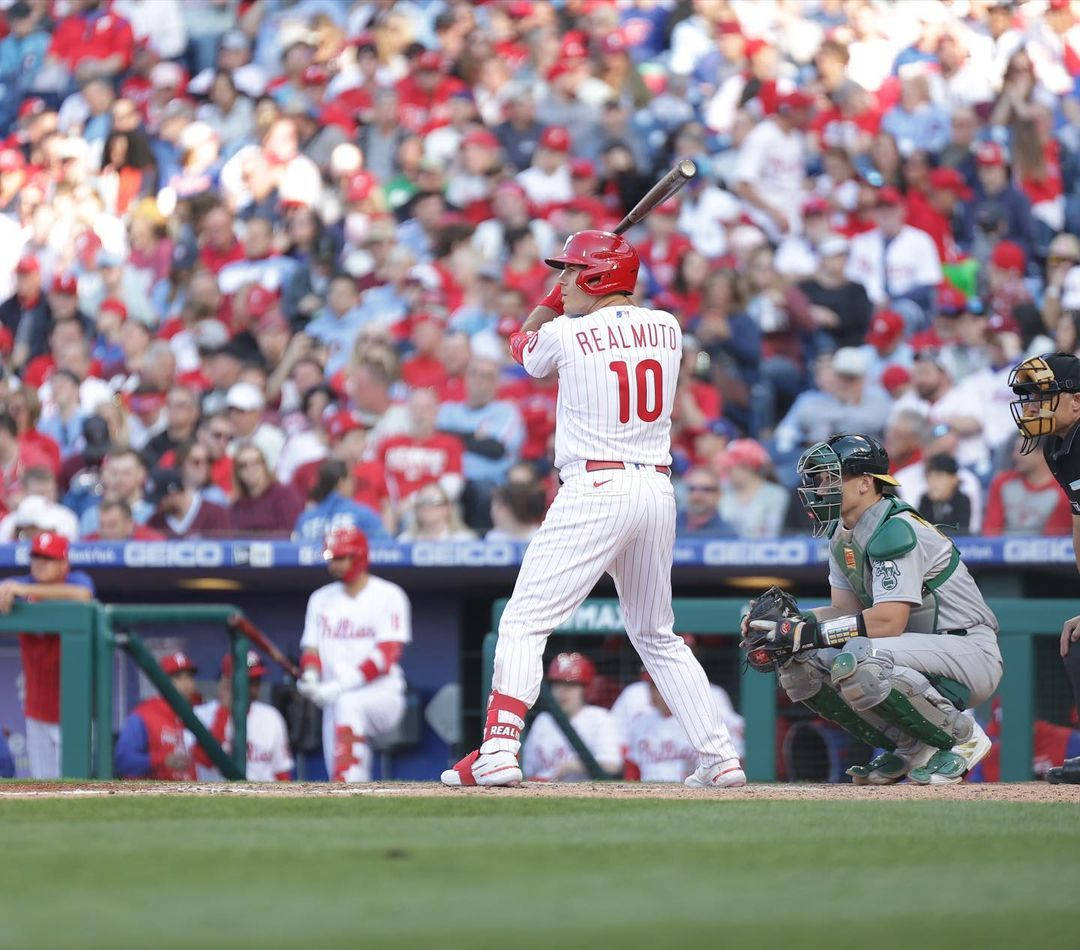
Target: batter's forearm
{"type": "Point", "coordinates": [539, 316]}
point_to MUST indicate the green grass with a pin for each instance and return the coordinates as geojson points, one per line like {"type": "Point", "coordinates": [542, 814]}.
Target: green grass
{"type": "Point", "coordinates": [517, 873]}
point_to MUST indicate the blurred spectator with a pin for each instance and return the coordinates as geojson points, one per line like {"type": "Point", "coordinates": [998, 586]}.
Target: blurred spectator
{"type": "Point", "coordinates": [181, 512]}
{"type": "Point", "coordinates": [491, 432]}
{"type": "Point", "coordinates": [1026, 499]}
{"type": "Point", "coordinates": [842, 402]}
{"type": "Point", "coordinates": [916, 122]}
{"type": "Point", "coordinates": [152, 741]}
{"type": "Point", "coordinates": [37, 509]}
{"type": "Point", "coordinates": [122, 476]}
{"type": "Point", "coordinates": [246, 405]}
{"type": "Point", "coordinates": [26, 315]}
{"type": "Point", "coordinates": [63, 421]}
{"type": "Point", "coordinates": [700, 515]}
{"type": "Point", "coordinates": [261, 504]}
{"type": "Point", "coordinates": [434, 518]}
{"type": "Point", "coordinates": [117, 524]}
{"type": "Point", "coordinates": [181, 418]}
{"type": "Point", "coordinates": [840, 307]}
{"type": "Point", "coordinates": [333, 507]}
{"type": "Point", "coordinates": [423, 456]}
{"type": "Point", "coordinates": [896, 263]}
{"type": "Point", "coordinates": [517, 511]}
{"type": "Point", "coordinates": [999, 209]}
{"type": "Point", "coordinates": [750, 504]}
{"type": "Point", "coordinates": [944, 504]}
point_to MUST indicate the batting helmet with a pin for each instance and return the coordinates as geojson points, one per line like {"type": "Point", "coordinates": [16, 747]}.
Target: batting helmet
{"type": "Point", "coordinates": [348, 542]}
{"type": "Point", "coordinates": [610, 264]}
{"type": "Point", "coordinates": [571, 668]}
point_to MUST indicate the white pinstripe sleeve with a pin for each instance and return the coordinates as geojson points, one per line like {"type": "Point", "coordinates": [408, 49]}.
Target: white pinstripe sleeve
{"type": "Point", "coordinates": [541, 354]}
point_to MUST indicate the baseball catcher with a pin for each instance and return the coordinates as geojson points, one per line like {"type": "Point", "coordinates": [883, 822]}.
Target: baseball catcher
{"type": "Point", "coordinates": [907, 644]}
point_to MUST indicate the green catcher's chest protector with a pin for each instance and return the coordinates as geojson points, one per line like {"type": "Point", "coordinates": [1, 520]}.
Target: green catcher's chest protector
{"type": "Point", "coordinates": [879, 537]}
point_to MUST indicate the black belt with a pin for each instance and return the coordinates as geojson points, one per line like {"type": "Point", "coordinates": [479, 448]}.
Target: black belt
{"type": "Point", "coordinates": [957, 632]}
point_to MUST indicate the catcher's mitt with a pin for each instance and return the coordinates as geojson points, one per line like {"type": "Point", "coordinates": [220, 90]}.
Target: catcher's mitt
{"type": "Point", "coordinates": [763, 651]}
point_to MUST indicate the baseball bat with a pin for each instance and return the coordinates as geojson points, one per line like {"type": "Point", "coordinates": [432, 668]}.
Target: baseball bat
{"type": "Point", "coordinates": [264, 643]}
{"type": "Point", "coordinates": [659, 193]}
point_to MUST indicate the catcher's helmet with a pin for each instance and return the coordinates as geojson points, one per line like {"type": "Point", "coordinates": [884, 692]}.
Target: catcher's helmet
{"type": "Point", "coordinates": [1038, 384]}
{"type": "Point", "coordinates": [609, 262]}
{"type": "Point", "coordinates": [571, 668]}
{"type": "Point", "coordinates": [349, 542]}
{"type": "Point", "coordinates": [822, 469]}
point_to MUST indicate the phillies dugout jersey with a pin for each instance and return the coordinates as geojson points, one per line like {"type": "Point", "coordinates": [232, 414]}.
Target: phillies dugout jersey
{"type": "Point", "coordinates": [618, 367]}
{"type": "Point", "coordinates": [41, 660]}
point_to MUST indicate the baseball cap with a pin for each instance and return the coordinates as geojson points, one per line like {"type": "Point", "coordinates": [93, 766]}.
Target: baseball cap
{"type": "Point", "coordinates": [849, 361]}
{"type": "Point", "coordinates": [255, 666]}
{"type": "Point", "coordinates": [949, 179]}
{"type": "Point", "coordinates": [430, 60]}
{"type": "Point", "coordinates": [556, 138]}
{"type": "Point", "coordinates": [341, 423]}
{"type": "Point", "coordinates": [834, 244]}
{"type": "Point", "coordinates": [1008, 255]}
{"type": "Point", "coordinates": [582, 168]}
{"type": "Point", "coordinates": [746, 452]}
{"type": "Point", "coordinates": [50, 545]}
{"type": "Point", "coordinates": [109, 305]}
{"type": "Point", "coordinates": [894, 377]}
{"type": "Point", "coordinates": [990, 153]}
{"type": "Point", "coordinates": [65, 284]}
{"type": "Point", "coordinates": [573, 45]}
{"type": "Point", "coordinates": [815, 204]}
{"type": "Point", "coordinates": [950, 301]}
{"type": "Point", "coordinates": [246, 397]}
{"type": "Point", "coordinates": [178, 662]}
{"type": "Point", "coordinates": [942, 463]}
{"type": "Point", "coordinates": [27, 265]}
{"type": "Point", "coordinates": [792, 100]}
{"type": "Point", "coordinates": [481, 138]}
{"type": "Point", "coordinates": [889, 197]}
{"type": "Point", "coordinates": [887, 327]}
{"type": "Point", "coordinates": [164, 482]}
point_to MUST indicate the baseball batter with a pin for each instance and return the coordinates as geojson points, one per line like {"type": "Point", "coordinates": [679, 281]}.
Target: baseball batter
{"type": "Point", "coordinates": [354, 632]}
{"type": "Point", "coordinates": [617, 366]}
{"type": "Point", "coordinates": [547, 755]}
{"type": "Point", "coordinates": [907, 644]}
{"type": "Point", "coordinates": [268, 755]}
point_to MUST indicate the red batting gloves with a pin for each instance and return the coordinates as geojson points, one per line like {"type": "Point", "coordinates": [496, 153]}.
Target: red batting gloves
{"type": "Point", "coordinates": [552, 299]}
{"type": "Point", "coordinates": [518, 342]}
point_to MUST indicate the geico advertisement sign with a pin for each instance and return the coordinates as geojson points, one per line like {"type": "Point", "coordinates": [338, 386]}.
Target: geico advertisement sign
{"type": "Point", "coordinates": [787, 553]}
{"type": "Point", "coordinates": [1038, 551]}
{"type": "Point", "coordinates": [463, 554]}
{"type": "Point", "coordinates": [174, 554]}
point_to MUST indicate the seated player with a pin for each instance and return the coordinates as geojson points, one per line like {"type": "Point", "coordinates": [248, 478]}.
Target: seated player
{"type": "Point", "coordinates": [908, 642]}
{"type": "Point", "coordinates": [354, 632]}
{"type": "Point", "coordinates": [658, 748]}
{"type": "Point", "coordinates": [547, 755]}
{"type": "Point", "coordinates": [637, 698]}
{"type": "Point", "coordinates": [268, 758]}
{"type": "Point", "coordinates": [152, 742]}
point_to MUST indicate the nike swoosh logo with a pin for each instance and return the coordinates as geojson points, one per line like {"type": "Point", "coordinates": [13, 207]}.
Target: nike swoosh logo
{"type": "Point", "coordinates": [598, 484]}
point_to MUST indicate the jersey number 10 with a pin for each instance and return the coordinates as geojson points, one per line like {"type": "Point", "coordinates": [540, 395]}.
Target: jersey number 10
{"type": "Point", "coordinates": [647, 411]}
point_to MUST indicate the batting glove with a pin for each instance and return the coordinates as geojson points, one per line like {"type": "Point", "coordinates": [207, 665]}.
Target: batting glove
{"type": "Point", "coordinates": [552, 299]}
{"type": "Point", "coordinates": [324, 694]}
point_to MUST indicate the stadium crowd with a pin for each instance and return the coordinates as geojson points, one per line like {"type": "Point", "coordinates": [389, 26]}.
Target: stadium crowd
{"type": "Point", "coordinates": [259, 260]}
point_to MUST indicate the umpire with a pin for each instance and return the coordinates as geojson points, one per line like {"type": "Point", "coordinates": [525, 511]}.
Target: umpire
{"type": "Point", "coordinates": [1046, 411]}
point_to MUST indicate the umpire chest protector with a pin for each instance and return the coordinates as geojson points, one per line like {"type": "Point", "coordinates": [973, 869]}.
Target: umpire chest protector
{"type": "Point", "coordinates": [878, 538]}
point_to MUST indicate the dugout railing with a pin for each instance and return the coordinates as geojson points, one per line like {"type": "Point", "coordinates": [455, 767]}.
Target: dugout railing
{"type": "Point", "coordinates": [90, 634]}
{"type": "Point", "coordinates": [1022, 621]}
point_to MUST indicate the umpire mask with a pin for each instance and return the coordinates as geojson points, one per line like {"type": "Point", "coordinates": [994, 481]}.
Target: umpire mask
{"type": "Point", "coordinates": [1038, 384]}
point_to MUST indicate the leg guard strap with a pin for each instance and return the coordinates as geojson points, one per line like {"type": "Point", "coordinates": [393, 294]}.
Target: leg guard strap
{"type": "Point", "coordinates": [828, 704]}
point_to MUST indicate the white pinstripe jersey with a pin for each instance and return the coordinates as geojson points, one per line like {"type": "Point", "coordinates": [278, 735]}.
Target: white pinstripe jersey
{"type": "Point", "coordinates": [617, 368]}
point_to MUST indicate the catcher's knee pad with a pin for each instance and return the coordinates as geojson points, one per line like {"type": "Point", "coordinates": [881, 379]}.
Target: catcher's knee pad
{"type": "Point", "coordinates": [802, 678]}
{"type": "Point", "coordinates": [869, 680]}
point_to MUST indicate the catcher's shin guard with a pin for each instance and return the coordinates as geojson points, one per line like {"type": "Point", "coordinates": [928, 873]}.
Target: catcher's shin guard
{"type": "Point", "coordinates": [868, 680]}
{"type": "Point", "coordinates": [829, 705]}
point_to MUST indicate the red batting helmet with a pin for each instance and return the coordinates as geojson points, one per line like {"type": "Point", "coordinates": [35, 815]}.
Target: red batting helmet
{"type": "Point", "coordinates": [348, 542]}
{"type": "Point", "coordinates": [571, 668]}
{"type": "Point", "coordinates": [610, 264]}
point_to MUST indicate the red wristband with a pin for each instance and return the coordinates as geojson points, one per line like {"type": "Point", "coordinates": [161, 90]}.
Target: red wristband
{"type": "Point", "coordinates": [518, 342]}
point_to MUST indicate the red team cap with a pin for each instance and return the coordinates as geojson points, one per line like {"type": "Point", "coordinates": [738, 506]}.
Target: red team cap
{"type": "Point", "coordinates": [571, 668]}
{"type": "Point", "coordinates": [340, 424]}
{"type": "Point", "coordinates": [556, 138]}
{"type": "Point", "coordinates": [481, 138]}
{"type": "Point", "coordinates": [949, 179]}
{"type": "Point", "coordinates": [1008, 255]}
{"type": "Point", "coordinates": [990, 153]}
{"type": "Point", "coordinates": [109, 305]}
{"type": "Point", "coordinates": [430, 60]}
{"type": "Point", "coordinates": [256, 668]}
{"type": "Point", "coordinates": [178, 662]}
{"type": "Point", "coordinates": [65, 284]}
{"type": "Point", "coordinates": [894, 377]}
{"type": "Point", "coordinates": [582, 168]}
{"type": "Point", "coordinates": [950, 301]}
{"type": "Point", "coordinates": [50, 545]}
{"type": "Point", "coordinates": [794, 101]}
{"type": "Point", "coordinates": [889, 197]}
{"type": "Point", "coordinates": [27, 265]}
{"type": "Point", "coordinates": [360, 185]}
{"type": "Point", "coordinates": [886, 329]}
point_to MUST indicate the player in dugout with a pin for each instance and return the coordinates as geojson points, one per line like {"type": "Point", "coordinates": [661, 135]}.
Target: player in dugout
{"type": "Point", "coordinates": [152, 743]}
{"type": "Point", "coordinates": [50, 578]}
{"type": "Point", "coordinates": [907, 644]}
{"type": "Point", "coordinates": [1046, 411]}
